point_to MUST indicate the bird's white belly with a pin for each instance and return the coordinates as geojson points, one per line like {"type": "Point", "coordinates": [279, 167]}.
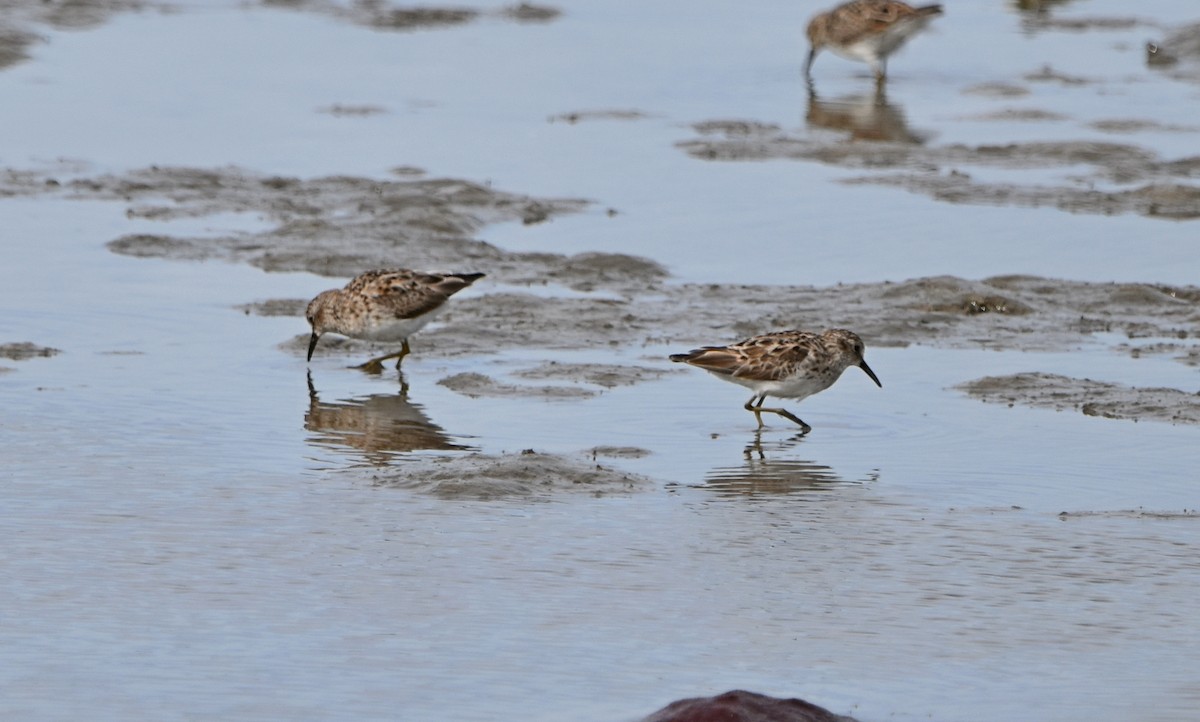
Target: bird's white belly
{"type": "Point", "coordinates": [796, 387]}
{"type": "Point", "coordinates": [394, 329]}
{"type": "Point", "coordinates": [880, 45]}
{"type": "Point", "coordinates": [865, 51]}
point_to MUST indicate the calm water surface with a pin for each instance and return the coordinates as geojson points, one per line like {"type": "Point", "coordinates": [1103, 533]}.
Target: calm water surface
{"type": "Point", "coordinates": [179, 545]}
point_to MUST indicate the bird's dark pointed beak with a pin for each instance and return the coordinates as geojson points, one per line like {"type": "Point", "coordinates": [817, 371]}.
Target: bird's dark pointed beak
{"type": "Point", "coordinates": [870, 373]}
{"type": "Point", "coordinates": [312, 344]}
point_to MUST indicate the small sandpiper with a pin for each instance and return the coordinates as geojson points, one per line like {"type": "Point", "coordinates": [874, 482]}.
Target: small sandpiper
{"type": "Point", "coordinates": [383, 305]}
{"type": "Point", "coordinates": [785, 364]}
{"type": "Point", "coordinates": [867, 30]}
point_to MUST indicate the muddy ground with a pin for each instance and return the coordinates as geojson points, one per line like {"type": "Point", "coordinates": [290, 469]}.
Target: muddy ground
{"type": "Point", "coordinates": [597, 376]}
{"type": "Point", "coordinates": [338, 226]}
{"type": "Point", "coordinates": [22, 22]}
{"type": "Point", "coordinates": [1092, 398]}
{"type": "Point", "coordinates": [22, 350]}
{"type": "Point", "coordinates": [525, 475]}
{"type": "Point", "coordinates": [25, 350]}
{"type": "Point", "coordinates": [1153, 187]}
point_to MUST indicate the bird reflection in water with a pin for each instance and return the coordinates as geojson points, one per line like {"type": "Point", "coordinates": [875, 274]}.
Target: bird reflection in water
{"type": "Point", "coordinates": [867, 117]}
{"type": "Point", "coordinates": [380, 426]}
{"type": "Point", "coordinates": [762, 475]}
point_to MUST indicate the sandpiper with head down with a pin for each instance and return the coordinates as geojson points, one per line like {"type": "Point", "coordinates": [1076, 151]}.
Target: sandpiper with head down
{"type": "Point", "coordinates": [785, 364]}
{"type": "Point", "coordinates": [383, 305]}
{"type": "Point", "coordinates": [867, 31]}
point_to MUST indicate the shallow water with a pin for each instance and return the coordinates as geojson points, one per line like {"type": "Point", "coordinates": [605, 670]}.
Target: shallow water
{"type": "Point", "coordinates": [190, 533]}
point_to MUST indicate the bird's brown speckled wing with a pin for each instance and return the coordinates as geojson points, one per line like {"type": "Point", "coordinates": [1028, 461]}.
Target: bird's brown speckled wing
{"type": "Point", "coordinates": [407, 293]}
{"type": "Point", "coordinates": [769, 357]}
{"type": "Point", "coordinates": [380, 281]}
{"type": "Point", "coordinates": [852, 21]}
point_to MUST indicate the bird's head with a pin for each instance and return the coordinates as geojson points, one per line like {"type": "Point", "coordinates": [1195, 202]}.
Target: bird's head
{"type": "Point", "coordinates": [854, 349]}
{"type": "Point", "coordinates": [318, 316]}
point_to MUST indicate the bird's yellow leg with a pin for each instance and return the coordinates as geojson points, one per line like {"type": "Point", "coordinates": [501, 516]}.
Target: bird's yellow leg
{"type": "Point", "coordinates": [404, 351]}
{"type": "Point", "coordinates": [758, 409]}
{"type": "Point", "coordinates": [375, 365]}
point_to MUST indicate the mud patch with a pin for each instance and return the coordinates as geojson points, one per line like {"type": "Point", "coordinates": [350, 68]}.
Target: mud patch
{"type": "Point", "coordinates": [1187, 354]}
{"type": "Point", "coordinates": [1131, 514]}
{"type": "Point", "coordinates": [1092, 398]}
{"type": "Point", "coordinates": [275, 307]}
{"type": "Point", "coordinates": [342, 225]}
{"type": "Point", "coordinates": [606, 375]}
{"type": "Point", "coordinates": [25, 350]}
{"type": "Point", "coordinates": [976, 303]}
{"type": "Point", "coordinates": [1139, 125]}
{"type": "Point", "coordinates": [619, 452]}
{"type": "Point", "coordinates": [1047, 74]}
{"type": "Point", "coordinates": [476, 385]}
{"type": "Point", "coordinates": [14, 45]}
{"type": "Point", "coordinates": [147, 245]}
{"type": "Point", "coordinates": [353, 111]}
{"type": "Point", "coordinates": [383, 15]}
{"type": "Point", "coordinates": [1043, 21]}
{"type": "Point", "coordinates": [1019, 115]}
{"type": "Point", "coordinates": [1155, 187]}
{"type": "Point", "coordinates": [526, 475]}
{"type": "Point", "coordinates": [997, 90]}
{"type": "Point", "coordinates": [580, 116]}
{"type": "Point", "coordinates": [1170, 201]}
{"type": "Point", "coordinates": [530, 13]}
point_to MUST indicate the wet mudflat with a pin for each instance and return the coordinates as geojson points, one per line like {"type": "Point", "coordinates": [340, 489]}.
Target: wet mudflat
{"type": "Point", "coordinates": [547, 519]}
